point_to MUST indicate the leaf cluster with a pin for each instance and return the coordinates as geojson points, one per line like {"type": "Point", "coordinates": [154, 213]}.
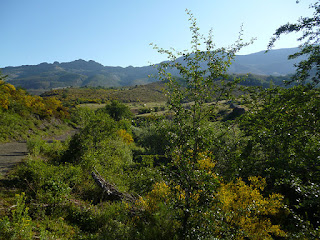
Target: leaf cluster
{"type": "Point", "coordinates": [307, 70]}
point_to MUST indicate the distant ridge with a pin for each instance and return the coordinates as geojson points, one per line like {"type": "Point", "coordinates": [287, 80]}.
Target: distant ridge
{"type": "Point", "coordinates": [79, 73]}
{"type": "Point", "coordinates": [274, 62]}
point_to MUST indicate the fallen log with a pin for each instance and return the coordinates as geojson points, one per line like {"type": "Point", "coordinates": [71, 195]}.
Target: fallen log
{"type": "Point", "coordinates": [110, 192]}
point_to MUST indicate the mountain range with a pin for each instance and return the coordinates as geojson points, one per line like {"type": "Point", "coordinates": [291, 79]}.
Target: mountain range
{"type": "Point", "coordinates": [79, 73]}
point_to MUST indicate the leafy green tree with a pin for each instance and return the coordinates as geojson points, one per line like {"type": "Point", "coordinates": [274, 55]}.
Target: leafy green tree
{"type": "Point", "coordinates": [308, 69]}
{"type": "Point", "coordinates": [118, 111]}
{"type": "Point", "coordinates": [190, 176]}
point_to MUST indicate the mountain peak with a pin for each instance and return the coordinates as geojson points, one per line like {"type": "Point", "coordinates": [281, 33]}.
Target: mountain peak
{"type": "Point", "coordinates": [83, 65]}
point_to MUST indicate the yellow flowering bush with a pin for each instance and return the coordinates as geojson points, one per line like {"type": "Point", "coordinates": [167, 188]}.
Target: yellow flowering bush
{"type": "Point", "coordinates": [22, 103]}
{"type": "Point", "coordinates": [4, 101]}
{"type": "Point", "coordinates": [248, 211]}
{"type": "Point", "coordinates": [159, 193]}
{"type": "Point", "coordinates": [125, 136]}
{"type": "Point", "coordinates": [9, 88]}
{"type": "Point", "coordinates": [238, 208]}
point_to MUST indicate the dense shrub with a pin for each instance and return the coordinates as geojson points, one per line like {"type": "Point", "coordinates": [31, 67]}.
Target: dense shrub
{"type": "Point", "coordinates": [118, 111]}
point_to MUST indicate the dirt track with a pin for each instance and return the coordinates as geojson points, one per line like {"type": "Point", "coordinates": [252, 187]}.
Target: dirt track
{"type": "Point", "coordinates": [13, 153]}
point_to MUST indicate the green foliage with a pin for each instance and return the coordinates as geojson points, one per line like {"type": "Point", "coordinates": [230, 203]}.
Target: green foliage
{"type": "Point", "coordinates": [308, 69]}
{"type": "Point", "coordinates": [144, 173]}
{"type": "Point", "coordinates": [56, 228]}
{"type": "Point", "coordinates": [47, 183]}
{"type": "Point", "coordinates": [18, 101]}
{"type": "Point", "coordinates": [137, 94]}
{"type": "Point", "coordinates": [244, 207]}
{"type": "Point", "coordinates": [224, 141]}
{"type": "Point", "coordinates": [263, 81]}
{"type": "Point", "coordinates": [103, 144]}
{"type": "Point", "coordinates": [283, 147]}
{"type": "Point", "coordinates": [155, 137]}
{"type": "Point", "coordinates": [86, 217]}
{"type": "Point", "coordinates": [118, 111]}
{"type": "Point", "coordinates": [191, 175]}
{"type": "Point", "coordinates": [81, 116]}
{"type": "Point", "coordinates": [190, 183]}
{"type": "Point", "coordinates": [13, 126]}
{"type": "Point", "coordinates": [98, 134]}
{"type": "Point", "coordinates": [51, 150]}
{"type": "Point", "coordinates": [23, 115]}
{"type": "Point", "coordinates": [19, 225]}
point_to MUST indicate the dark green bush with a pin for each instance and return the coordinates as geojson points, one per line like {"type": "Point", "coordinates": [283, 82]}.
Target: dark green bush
{"type": "Point", "coordinates": [117, 111]}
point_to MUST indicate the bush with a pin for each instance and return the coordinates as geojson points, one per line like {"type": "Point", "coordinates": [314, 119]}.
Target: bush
{"type": "Point", "coordinates": [47, 183]}
{"type": "Point", "coordinates": [51, 150]}
{"type": "Point", "coordinates": [81, 116]}
{"type": "Point", "coordinates": [118, 111]}
{"type": "Point", "coordinates": [19, 225]}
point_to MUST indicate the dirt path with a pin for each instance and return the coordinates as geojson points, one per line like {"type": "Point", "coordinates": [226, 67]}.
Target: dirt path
{"type": "Point", "coordinates": [12, 153]}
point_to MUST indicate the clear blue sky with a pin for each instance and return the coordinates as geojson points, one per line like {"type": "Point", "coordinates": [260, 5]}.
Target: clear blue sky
{"type": "Point", "coordinates": [118, 32]}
